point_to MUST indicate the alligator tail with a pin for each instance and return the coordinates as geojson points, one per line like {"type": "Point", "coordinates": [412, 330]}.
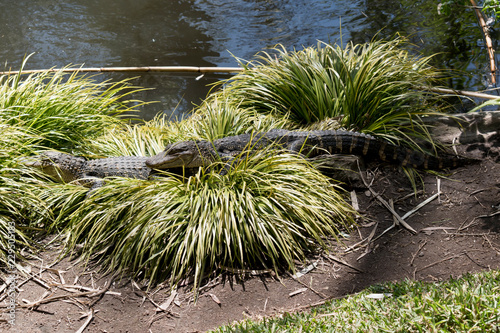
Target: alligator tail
{"type": "Point", "coordinates": [373, 148]}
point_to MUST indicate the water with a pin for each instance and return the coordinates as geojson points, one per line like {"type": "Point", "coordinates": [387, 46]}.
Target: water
{"type": "Point", "coordinates": [99, 33]}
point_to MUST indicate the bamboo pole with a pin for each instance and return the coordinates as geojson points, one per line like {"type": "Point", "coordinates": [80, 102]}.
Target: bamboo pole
{"type": "Point", "coordinates": [151, 69]}
{"type": "Point", "coordinates": [205, 70]}
{"type": "Point", "coordinates": [487, 38]}
{"type": "Point", "coordinates": [461, 92]}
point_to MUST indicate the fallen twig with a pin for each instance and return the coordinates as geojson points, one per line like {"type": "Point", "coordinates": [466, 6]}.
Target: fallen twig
{"type": "Point", "coordinates": [365, 240]}
{"type": "Point", "coordinates": [55, 298]}
{"type": "Point", "coordinates": [491, 245]}
{"type": "Point", "coordinates": [386, 204]}
{"type": "Point", "coordinates": [340, 261]}
{"type": "Point", "coordinates": [437, 262]}
{"type": "Point", "coordinates": [90, 293]}
{"type": "Point", "coordinates": [462, 227]}
{"type": "Point", "coordinates": [101, 293]}
{"type": "Point", "coordinates": [420, 247]}
{"type": "Point", "coordinates": [474, 94]}
{"type": "Point", "coordinates": [490, 215]}
{"type": "Point", "coordinates": [420, 205]}
{"type": "Point", "coordinates": [90, 316]}
{"type": "Point", "coordinates": [320, 294]}
{"type": "Point", "coordinates": [474, 261]}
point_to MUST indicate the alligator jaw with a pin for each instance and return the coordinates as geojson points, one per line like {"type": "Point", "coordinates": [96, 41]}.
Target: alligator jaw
{"type": "Point", "coordinates": [167, 160]}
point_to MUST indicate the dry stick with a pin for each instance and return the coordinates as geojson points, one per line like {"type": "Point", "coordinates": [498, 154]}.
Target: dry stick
{"type": "Point", "coordinates": [151, 69]}
{"type": "Point", "coordinates": [55, 298]}
{"type": "Point", "coordinates": [421, 246]}
{"type": "Point", "coordinates": [462, 227]}
{"type": "Point", "coordinates": [208, 70]}
{"type": "Point", "coordinates": [474, 261]}
{"type": "Point", "coordinates": [92, 293]}
{"type": "Point", "coordinates": [370, 239]}
{"type": "Point", "coordinates": [367, 240]}
{"type": "Point", "coordinates": [386, 204]}
{"type": "Point", "coordinates": [422, 204]}
{"type": "Point", "coordinates": [395, 220]}
{"type": "Point", "coordinates": [490, 215]}
{"type": "Point", "coordinates": [491, 245]}
{"type": "Point", "coordinates": [340, 261]}
{"type": "Point", "coordinates": [487, 39]}
{"type": "Point", "coordinates": [104, 290]}
{"type": "Point", "coordinates": [90, 315]}
{"type": "Point", "coordinates": [320, 294]}
{"type": "Point", "coordinates": [439, 261]}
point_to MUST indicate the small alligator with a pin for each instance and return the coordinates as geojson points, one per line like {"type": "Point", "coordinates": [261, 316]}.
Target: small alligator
{"type": "Point", "coordinates": [192, 154]}
{"type": "Point", "coordinates": [67, 168]}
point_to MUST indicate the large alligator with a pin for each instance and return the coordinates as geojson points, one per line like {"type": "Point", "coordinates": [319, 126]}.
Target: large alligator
{"type": "Point", "coordinates": [90, 173]}
{"type": "Point", "coordinates": [192, 154]}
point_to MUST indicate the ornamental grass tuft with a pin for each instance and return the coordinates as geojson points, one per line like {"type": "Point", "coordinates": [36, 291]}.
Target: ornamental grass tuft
{"type": "Point", "coordinates": [40, 111]}
{"type": "Point", "coordinates": [21, 209]}
{"type": "Point", "coordinates": [63, 110]}
{"type": "Point", "coordinates": [267, 211]}
{"type": "Point", "coordinates": [374, 88]}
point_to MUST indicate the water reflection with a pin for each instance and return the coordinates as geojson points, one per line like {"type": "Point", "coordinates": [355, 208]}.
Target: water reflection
{"type": "Point", "coordinates": [246, 27]}
{"type": "Point", "coordinates": [205, 33]}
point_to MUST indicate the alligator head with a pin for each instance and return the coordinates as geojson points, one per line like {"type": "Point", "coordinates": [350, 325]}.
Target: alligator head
{"type": "Point", "coordinates": [189, 154]}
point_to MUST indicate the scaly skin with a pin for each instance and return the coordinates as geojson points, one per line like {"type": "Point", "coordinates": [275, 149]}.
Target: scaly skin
{"type": "Point", "coordinates": [68, 168]}
{"type": "Point", "coordinates": [191, 154]}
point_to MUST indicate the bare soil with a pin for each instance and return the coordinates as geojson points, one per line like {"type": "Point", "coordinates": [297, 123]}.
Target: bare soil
{"type": "Point", "coordinates": [457, 233]}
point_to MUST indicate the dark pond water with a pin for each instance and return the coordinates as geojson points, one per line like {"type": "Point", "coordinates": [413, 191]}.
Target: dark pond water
{"type": "Point", "coordinates": [101, 33]}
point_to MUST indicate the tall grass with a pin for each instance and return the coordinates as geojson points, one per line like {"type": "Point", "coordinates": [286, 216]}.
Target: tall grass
{"type": "Point", "coordinates": [64, 110]}
{"type": "Point", "coordinates": [267, 211]}
{"type": "Point", "coordinates": [40, 111]}
{"type": "Point", "coordinates": [20, 207]}
{"type": "Point", "coordinates": [369, 88]}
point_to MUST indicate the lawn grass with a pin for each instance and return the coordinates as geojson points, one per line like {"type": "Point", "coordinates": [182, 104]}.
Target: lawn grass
{"type": "Point", "coordinates": [468, 304]}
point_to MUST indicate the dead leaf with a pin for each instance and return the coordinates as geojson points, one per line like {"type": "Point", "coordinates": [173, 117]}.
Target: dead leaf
{"type": "Point", "coordinates": [296, 292]}
{"type": "Point", "coordinates": [305, 271]}
{"type": "Point", "coordinates": [215, 299]}
{"type": "Point", "coordinates": [165, 305]}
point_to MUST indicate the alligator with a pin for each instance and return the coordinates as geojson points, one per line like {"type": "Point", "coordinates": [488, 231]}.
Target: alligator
{"type": "Point", "coordinates": [68, 168]}
{"type": "Point", "coordinates": [191, 154]}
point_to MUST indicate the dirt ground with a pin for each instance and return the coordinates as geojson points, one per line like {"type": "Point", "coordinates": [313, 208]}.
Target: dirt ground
{"type": "Point", "coordinates": [457, 232]}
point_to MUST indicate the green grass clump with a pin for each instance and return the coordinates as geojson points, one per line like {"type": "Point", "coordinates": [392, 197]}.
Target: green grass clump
{"type": "Point", "coordinates": [40, 111]}
{"type": "Point", "coordinates": [468, 304]}
{"type": "Point", "coordinates": [270, 208]}
{"type": "Point", "coordinates": [267, 211]}
{"type": "Point", "coordinates": [20, 207]}
{"type": "Point", "coordinates": [214, 119]}
{"type": "Point", "coordinates": [369, 88]}
{"type": "Point", "coordinates": [63, 110]}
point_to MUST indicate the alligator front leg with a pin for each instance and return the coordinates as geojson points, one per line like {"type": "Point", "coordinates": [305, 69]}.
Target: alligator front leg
{"type": "Point", "coordinates": [95, 183]}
